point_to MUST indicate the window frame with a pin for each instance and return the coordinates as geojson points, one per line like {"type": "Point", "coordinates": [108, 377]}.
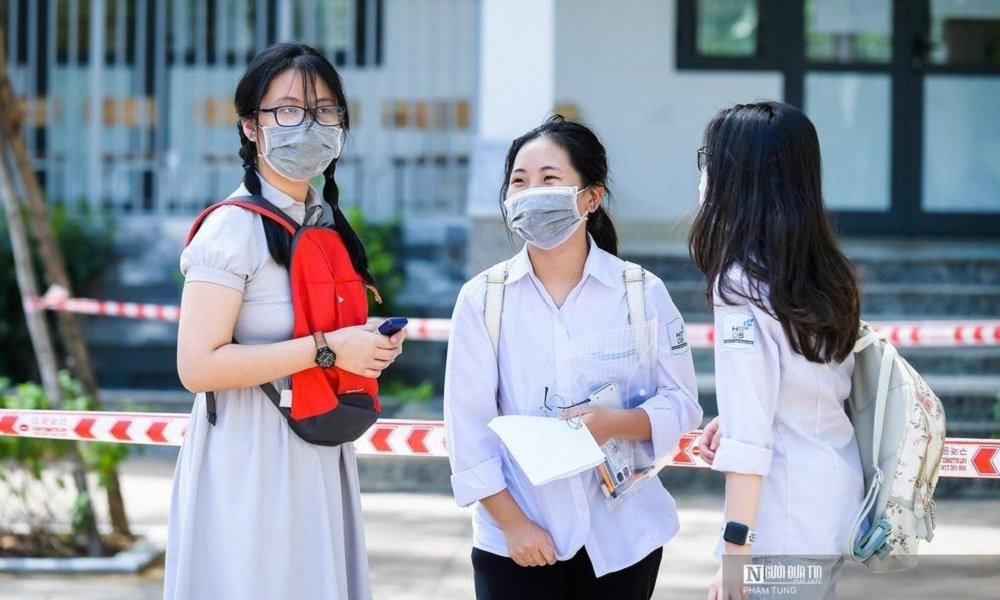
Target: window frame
{"type": "Point", "coordinates": [781, 49]}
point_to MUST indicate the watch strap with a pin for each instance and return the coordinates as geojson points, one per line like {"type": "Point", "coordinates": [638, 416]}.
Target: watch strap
{"type": "Point", "coordinates": [320, 340]}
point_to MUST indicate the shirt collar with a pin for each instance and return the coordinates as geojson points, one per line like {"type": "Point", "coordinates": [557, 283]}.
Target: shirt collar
{"type": "Point", "coordinates": [288, 205]}
{"type": "Point", "coordinates": [599, 265]}
{"type": "Point", "coordinates": [283, 200]}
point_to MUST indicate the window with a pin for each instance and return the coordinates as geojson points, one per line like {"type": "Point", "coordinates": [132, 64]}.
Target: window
{"type": "Point", "coordinates": [727, 28]}
{"type": "Point", "coordinates": [848, 31]}
{"type": "Point", "coordinates": [727, 34]}
{"type": "Point", "coordinates": [965, 32]}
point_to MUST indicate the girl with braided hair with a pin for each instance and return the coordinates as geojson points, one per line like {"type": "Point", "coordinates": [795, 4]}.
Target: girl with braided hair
{"type": "Point", "coordinates": [256, 512]}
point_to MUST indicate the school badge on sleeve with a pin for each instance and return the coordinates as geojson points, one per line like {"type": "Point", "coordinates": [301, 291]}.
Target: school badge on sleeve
{"type": "Point", "coordinates": [737, 331]}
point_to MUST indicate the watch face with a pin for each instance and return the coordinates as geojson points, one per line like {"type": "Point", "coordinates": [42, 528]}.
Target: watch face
{"type": "Point", "coordinates": [325, 358]}
{"type": "Point", "coordinates": [736, 533]}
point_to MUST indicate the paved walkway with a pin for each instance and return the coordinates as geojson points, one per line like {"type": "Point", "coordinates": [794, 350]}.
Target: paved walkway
{"type": "Point", "coordinates": [419, 550]}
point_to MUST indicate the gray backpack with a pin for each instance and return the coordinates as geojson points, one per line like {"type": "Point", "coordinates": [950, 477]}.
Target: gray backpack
{"type": "Point", "coordinates": [900, 426]}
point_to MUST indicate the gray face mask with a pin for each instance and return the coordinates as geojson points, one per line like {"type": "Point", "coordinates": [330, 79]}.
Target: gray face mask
{"type": "Point", "coordinates": [544, 216]}
{"type": "Point", "coordinates": [301, 152]}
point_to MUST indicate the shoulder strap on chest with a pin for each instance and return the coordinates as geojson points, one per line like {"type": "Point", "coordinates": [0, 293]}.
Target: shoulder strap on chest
{"type": "Point", "coordinates": [496, 278]}
{"type": "Point", "coordinates": [635, 292]}
{"type": "Point", "coordinates": [257, 204]}
{"type": "Point", "coordinates": [633, 274]}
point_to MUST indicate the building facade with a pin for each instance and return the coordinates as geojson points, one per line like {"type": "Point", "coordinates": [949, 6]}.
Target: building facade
{"type": "Point", "coordinates": [128, 102]}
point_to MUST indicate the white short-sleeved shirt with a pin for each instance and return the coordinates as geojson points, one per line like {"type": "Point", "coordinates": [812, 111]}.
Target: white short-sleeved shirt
{"type": "Point", "coordinates": [783, 417]}
{"type": "Point", "coordinates": [572, 510]}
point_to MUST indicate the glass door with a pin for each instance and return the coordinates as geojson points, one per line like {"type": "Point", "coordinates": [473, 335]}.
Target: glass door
{"type": "Point", "coordinates": [847, 92]}
{"type": "Point", "coordinates": [961, 122]}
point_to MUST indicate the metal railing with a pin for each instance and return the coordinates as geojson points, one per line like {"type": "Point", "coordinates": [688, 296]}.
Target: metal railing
{"type": "Point", "coordinates": [129, 102]}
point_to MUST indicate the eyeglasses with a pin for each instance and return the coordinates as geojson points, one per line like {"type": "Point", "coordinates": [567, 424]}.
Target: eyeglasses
{"type": "Point", "coordinates": [290, 116]}
{"type": "Point", "coordinates": [554, 406]}
{"type": "Point", "coordinates": [702, 158]}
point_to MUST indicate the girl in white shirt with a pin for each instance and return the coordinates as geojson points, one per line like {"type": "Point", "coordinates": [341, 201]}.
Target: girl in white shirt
{"type": "Point", "coordinates": [786, 306]}
{"type": "Point", "coordinates": [561, 539]}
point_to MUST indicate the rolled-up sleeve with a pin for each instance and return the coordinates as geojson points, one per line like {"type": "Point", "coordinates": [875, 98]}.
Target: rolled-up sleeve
{"type": "Point", "coordinates": [747, 373]}
{"type": "Point", "coordinates": [219, 252]}
{"type": "Point", "coordinates": [674, 409]}
{"type": "Point", "coordinates": [470, 388]}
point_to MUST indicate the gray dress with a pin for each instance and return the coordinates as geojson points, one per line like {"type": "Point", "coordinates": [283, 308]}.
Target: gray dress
{"type": "Point", "coordinates": [256, 512]}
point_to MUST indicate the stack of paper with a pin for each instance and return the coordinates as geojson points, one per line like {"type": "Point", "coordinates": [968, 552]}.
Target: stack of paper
{"type": "Point", "coordinates": [547, 449]}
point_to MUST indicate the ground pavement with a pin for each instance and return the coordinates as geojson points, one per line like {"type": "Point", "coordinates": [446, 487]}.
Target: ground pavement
{"type": "Point", "coordinates": [419, 550]}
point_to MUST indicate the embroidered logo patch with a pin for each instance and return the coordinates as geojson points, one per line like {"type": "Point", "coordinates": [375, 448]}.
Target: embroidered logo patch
{"type": "Point", "coordinates": [737, 331]}
{"type": "Point", "coordinates": [678, 341]}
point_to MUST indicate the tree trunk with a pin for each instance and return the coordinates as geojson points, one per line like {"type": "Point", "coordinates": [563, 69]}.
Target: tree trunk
{"type": "Point", "coordinates": [38, 328]}
{"type": "Point", "coordinates": [54, 268]}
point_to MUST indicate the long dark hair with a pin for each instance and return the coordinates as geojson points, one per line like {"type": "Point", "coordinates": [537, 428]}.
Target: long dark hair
{"type": "Point", "coordinates": [588, 157]}
{"type": "Point", "coordinates": [252, 86]}
{"type": "Point", "coordinates": [763, 211]}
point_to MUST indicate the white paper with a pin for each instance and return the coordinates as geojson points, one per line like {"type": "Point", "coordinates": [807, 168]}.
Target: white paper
{"type": "Point", "coordinates": [547, 449]}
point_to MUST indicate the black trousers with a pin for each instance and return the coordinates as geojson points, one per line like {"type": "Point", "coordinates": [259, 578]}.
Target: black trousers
{"type": "Point", "coordinates": [500, 578]}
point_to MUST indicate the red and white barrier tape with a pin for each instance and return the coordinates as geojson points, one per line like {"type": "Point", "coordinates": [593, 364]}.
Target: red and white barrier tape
{"type": "Point", "coordinates": [963, 457]}
{"type": "Point", "coordinates": [925, 334]}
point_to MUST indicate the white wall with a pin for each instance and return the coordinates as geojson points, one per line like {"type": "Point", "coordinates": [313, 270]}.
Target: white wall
{"type": "Point", "coordinates": [616, 63]}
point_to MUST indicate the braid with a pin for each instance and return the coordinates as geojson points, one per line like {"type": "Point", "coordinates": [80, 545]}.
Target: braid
{"type": "Point", "coordinates": [279, 241]}
{"type": "Point", "coordinates": [355, 249]}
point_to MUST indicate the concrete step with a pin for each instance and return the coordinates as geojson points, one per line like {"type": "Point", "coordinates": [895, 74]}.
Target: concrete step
{"type": "Point", "coordinates": [960, 362]}
{"type": "Point", "coordinates": [877, 261]}
{"type": "Point", "coordinates": [897, 301]}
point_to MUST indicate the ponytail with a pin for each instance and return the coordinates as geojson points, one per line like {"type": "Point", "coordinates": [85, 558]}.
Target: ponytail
{"type": "Point", "coordinates": [602, 229]}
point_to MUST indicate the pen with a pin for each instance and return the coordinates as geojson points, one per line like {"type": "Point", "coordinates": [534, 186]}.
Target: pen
{"type": "Point", "coordinates": [609, 487]}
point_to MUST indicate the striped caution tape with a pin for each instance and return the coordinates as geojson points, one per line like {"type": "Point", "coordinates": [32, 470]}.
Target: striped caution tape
{"type": "Point", "coordinates": [963, 457]}
{"type": "Point", "coordinates": [922, 334]}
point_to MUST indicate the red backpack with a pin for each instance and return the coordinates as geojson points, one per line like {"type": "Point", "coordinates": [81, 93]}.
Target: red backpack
{"type": "Point", "coordinates": [328, 406]}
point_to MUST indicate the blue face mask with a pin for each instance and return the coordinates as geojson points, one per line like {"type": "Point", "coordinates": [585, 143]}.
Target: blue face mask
{"type": "Point", "coordinates": [301, 152]}
{"type": "Point", "coordinates": [544, 216]}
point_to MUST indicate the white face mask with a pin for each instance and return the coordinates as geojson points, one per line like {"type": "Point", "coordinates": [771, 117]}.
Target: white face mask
{"type": "Point", "coordinates": [544, 216]}
{"type": "Point", "coordinates": [702, 187]}
{"type": "Point", "coordinates": [301, 152]}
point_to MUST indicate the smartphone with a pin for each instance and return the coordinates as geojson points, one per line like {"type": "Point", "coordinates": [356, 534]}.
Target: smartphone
{"type": "Point", "coordinates": [392, 325]}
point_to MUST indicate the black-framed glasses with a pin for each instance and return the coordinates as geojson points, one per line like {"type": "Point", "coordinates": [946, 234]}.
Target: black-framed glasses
{"type": "Point", "coordinates": [291, 115]}
{"type": "Point", "coordinates": [554, 406]}
{"type": "Point", "coordinates": [702, 158]}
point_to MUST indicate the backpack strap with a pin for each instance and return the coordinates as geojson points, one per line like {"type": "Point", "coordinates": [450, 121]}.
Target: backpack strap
{"type": "Point", "coordinates": [867, 337]}
{"type": "Point", "coordinates": [635, 291]}
{"type": "Point", "coordinates": [265, 208]}
{"type": "Point", "coordinates": [861, 549]}
{"type": "Point", "coordinates": [257, 204]}
{"type": "Point", "coordinates": [496, 279]}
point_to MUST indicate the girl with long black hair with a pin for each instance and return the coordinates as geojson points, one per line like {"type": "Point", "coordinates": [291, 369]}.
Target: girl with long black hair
{"type": "Point", "coordinates": [257, 512]}
{"type": "Point", "coordinates": [787, 308]}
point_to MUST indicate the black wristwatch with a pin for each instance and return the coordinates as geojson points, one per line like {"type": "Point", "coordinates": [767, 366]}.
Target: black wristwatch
{"type": "Point", "coordinates": [738, 533]}
{"type": "Point", "coordinates": [325, 357]}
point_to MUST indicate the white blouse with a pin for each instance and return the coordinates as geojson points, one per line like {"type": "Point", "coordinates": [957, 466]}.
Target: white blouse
{"type": "Point", "coordinates": [572, 510]}
{"type": "Point", "coordinates": [783, 417]}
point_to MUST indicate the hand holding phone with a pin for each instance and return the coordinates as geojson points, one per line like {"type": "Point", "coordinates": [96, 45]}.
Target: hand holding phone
{"type": "Point", "coordinates": [392, 326]}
